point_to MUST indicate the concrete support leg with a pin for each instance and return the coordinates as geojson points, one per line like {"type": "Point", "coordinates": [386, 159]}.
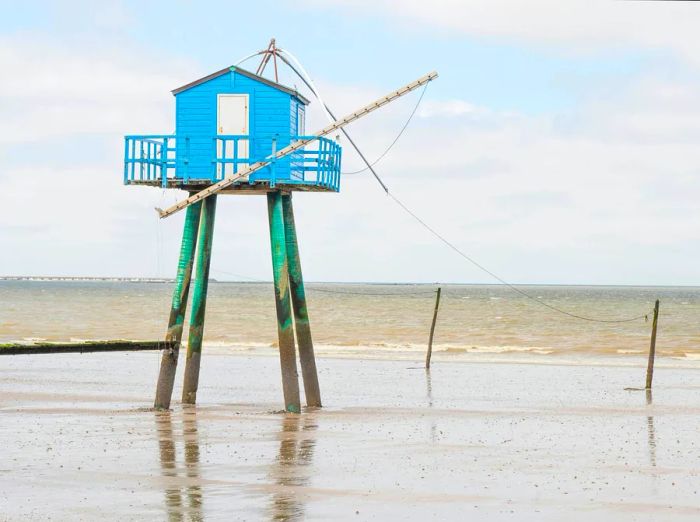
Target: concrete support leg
{"type": "Point", "coordinates": [301, 315]}
{"type": "Point", "coordinates": [285, 328]}
{"type": "Point", "coordinates": [168, 363]}
{"type": "Point", "coordinates": [199, 300]}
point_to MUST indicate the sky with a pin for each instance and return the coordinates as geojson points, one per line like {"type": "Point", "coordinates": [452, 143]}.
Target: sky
{"type": "Point", "coordinates": [559, 145]}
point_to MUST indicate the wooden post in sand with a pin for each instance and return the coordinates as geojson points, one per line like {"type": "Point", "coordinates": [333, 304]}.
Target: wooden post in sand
{"type": "Point", "coordinates": [168, 363]}
{"type": "Point", "coordinates": [432, 330]}
{"type": "Point", "coordinates": [301, 315]}
{"type": "Point", "coordinates": [199, 301]}
{"type": "Point", "coordinates": [652, 346]}
{"type": "Point", "coordinates": [285, 328]}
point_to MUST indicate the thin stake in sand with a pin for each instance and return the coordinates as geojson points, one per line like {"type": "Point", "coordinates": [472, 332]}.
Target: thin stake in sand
{"type": "Point", "coordinates": [652, 346]}
{"type": "Point", "coordinates": [652, 354]}
{"type": "Point", "coordinates": [432, 330]}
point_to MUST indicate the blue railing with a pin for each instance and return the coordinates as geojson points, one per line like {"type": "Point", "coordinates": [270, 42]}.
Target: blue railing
{"type": "Point", "coordinates": [318, 163]}
{"type": "Point", "coordinates": [160, 158]}
{"type": "Point", "coordinates": [149, 158]}
{"type": "Point", "coordinates": [231, 153]}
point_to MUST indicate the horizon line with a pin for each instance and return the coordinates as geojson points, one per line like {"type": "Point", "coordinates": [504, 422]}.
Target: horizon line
{"type": "Point", "coordinates": [158, 279]}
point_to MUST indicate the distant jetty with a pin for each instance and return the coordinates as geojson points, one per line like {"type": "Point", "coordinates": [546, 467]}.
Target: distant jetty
{"type": "Point", "coordinates": [88, 278]}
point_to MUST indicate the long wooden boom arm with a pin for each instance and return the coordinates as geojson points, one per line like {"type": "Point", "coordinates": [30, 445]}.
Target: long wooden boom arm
{"type": "Point", "coordinates": [246, 172]}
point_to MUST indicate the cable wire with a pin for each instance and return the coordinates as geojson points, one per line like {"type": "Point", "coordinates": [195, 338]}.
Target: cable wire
{"type": "Point", "coordinates": [370, 166]}
{"type": "Point", "coordinates": [425, 87]}
{"type": "Point", "coordinates": [329, 114]}
{"type": "Point", "coordinates": [503, 281]}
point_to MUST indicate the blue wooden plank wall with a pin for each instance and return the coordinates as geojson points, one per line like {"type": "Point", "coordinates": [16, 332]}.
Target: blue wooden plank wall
{"type": "Point", "coordinates": [272, 113]}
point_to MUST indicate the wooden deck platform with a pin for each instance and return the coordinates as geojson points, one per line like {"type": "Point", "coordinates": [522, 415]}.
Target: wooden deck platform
{"type": "Point", "coordinates": [258, 187]}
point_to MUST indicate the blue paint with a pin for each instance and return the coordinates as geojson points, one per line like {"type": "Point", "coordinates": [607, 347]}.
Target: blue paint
{"type": "Point", "coordinates": [198, 152]}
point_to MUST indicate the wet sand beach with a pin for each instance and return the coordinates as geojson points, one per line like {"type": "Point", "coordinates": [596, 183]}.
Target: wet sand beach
{"type": "Point", "coordinates": [471, 440]}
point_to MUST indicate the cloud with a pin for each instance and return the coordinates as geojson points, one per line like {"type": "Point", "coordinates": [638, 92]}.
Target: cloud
{"type": "Point", "coordinates": [574, 26]}
{"type": "Point", "coordinates": [53, 91]}
{"type": "Point", "coordinates": [601, 193]}
{"type": "Point", "coordinates": [64, 111]}
{"type": "Point", "coordinates": [447, 108]}
{"type": "Point", "coordinates": [604, 192]}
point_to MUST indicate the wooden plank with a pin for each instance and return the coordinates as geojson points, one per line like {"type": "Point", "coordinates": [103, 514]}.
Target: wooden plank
{"type": "Point", "coordinates": [260, 187]}
{"type": "Point", "coordinates": [83, 347]}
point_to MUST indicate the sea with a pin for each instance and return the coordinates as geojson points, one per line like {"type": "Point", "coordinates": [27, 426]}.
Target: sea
{"type": "Point", "coordinates": [474, 322]}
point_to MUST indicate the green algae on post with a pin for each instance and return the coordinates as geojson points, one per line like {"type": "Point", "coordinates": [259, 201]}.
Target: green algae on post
{"type": "Point", "coordinates": [199, 301]}
{"type": "Point", "coordinates": [301, 315]}
{"type": "Point", "coordinates": [285, 329]}
{"type": "Point", "coordinates": [168, 363]}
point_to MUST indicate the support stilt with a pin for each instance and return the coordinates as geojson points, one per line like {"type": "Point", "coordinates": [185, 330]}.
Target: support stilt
{"type": "Point", "coordinates": [301, 316]}
{"type": "Point", "coordinates": [168, 362]}
{"type": "Point", "coordinates": [285, 329]}
{"type": "Point", "coordinates": [199, 301]}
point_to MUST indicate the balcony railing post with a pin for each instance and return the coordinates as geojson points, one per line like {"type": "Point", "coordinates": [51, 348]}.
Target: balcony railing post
{"type": "Point", "coordinates": [163, 160]}
{"type": "Point", "coordinates": [126, 160]}
{"type": "Point", "coordinates": [132, 155]}
{"type": "Point", "coordinates": [321, 160]}
{"type": "Point", "coordinates": [235, 155]}
{"type": "Point", "coordinates": [336, 167]}
{"type": "Point", "coordinates": [144, 160]}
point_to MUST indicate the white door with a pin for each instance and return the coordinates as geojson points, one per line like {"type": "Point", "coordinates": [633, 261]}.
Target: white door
{"type": "Point", "coordinates": [232, 118]}
{"type": "Point", "coordinates": [301, 120]}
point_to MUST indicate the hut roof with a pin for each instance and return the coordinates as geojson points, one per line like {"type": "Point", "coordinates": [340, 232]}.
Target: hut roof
{"type": "Point", "coordinates": [250, 75]}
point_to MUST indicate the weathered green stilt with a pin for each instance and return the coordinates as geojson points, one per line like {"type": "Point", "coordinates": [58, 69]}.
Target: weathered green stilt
{"type": "Point", "coordinates": [285, 329]}
{"type": "Point", "coordinates": [168, 362]}
{"type": "Point", "coordinates": [301, 315]}
{"type": "Point", "coordinates": [199, 300]}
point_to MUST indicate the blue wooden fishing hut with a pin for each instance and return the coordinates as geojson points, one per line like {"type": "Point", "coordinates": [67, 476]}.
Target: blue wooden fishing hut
{"type": "Point", "coordinates": [229, 120]}
{"type": "Point", "coordinates": [225, 122]}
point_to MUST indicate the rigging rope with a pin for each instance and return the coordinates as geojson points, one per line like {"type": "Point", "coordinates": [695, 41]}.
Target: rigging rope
{"type": "Point", "coordinates": [395, 139]}
{"type": "Point", "coordinates": [503, 281]}
{"type": "Point", "coordinates": [309, 83]}
{"type": "Point", "coordinates": [432, 292]}
{"type": "Point", "coordinates": [370, 166]}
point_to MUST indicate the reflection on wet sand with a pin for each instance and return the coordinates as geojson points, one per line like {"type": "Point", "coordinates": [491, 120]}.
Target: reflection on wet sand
{"type": "Point", "coordinates": [174, 504]}
{"type": "Point", "coordinates": [291, 469]}
{"type": "Point", "coordinates": [651, 433]}
{"type": "Point", "coordinates": [429, 388]}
